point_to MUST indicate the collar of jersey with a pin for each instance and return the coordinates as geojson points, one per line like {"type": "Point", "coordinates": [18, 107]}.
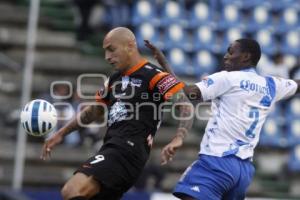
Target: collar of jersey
{"type": "Point", "coordinates": [135, 67]}
{"type": "Point", "coordinates": [249, 69]}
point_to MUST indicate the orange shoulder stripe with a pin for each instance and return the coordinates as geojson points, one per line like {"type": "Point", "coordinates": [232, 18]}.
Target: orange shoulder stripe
{"type": "Point", "coordinates": [136, 67]}
{"type": "Point", "coordinates": [156, 78]}
{"type": "Point", "coordinates": [173, 91]}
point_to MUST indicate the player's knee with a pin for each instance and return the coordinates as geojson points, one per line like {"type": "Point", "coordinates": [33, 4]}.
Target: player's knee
{"type": "Point", "coordinates": [75, 188]}
{"type": "Point", "coordinates": [69, 192]}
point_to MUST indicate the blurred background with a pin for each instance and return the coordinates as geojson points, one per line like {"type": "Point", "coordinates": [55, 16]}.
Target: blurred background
{"type": "Point", "coordinates": [194, 34]}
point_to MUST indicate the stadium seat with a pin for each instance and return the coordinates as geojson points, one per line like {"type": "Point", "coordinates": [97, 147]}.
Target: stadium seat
{"type": "Point", "coordinates": [271, 134]}
{"type": "Point", "coordinates": [288, 20]}
{"type": "Point", "coordinates": [230, 17]}
{"type": "Point", "coordinates": [294, 160]}
{"type": "Point", "coordinates": [230, 36]}
{"type": "Point", "coordinates": [201, 14]}
{"type": "Point", "coordinates": [290, 60]}
{"type": "Point", "coordinates": [176, 37]}
{"type": "Point", "coordinates": [172, 12]}
{"type": "Point", "coordinates": [293, 109]}
{"type": "Point", "coordinates": [292, 117]}
{"type": "Point", "coordinates": [204, 63]}
{"type": "Point", "coordinates": [180, 62]}
{"type": "Point", "coordinates": [203, 38]}
{"type": "Point", "coordinates": [144, 11]}
{"type": "Point", "coordinates": [149, 32]}
{"type": "Point", "coordinates": [291, 43]}
{"type": "Point", "coordinates": [293, 134]}
{"type": "Point", "coordinates": [267, 41]}
{"type": "Point", "coordinates": [260, 18]}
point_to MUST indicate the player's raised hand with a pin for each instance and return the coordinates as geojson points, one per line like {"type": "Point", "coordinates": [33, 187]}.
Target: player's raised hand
{"type": "Point", "coordinates": [170, 149]}
{"type": "Point", "coordinates": [155, 51]}
{"type": "Point", "coordinates": [159, 56]}
{"type": "Point", "coordinates": [49, 144]}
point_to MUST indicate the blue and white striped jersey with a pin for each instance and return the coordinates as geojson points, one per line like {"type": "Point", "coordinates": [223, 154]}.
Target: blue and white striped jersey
{"type": "Point", "coordinates": [241, 101]}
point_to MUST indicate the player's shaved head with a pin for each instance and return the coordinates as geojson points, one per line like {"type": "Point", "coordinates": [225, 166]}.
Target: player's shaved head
{"type": "Point", "coordinates": [122, 35]}
{"type": "Point", "coordinates": [121, 49]}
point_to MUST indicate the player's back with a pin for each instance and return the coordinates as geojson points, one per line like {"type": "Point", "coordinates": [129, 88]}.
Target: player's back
{"type": "Point", "coordinates": [241, 101]}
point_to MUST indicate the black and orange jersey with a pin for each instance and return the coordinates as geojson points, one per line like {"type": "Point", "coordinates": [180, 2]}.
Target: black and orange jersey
{"type": "Point", "coordinates": [134, 100]}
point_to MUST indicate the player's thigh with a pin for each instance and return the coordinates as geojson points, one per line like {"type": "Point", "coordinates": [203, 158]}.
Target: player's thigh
{"type": "Point", "coordinates": [81, 185]}
{"type": "Point", "coordinates": [238, 192]}
{"type": "Point", "coordinates": [198, 182]}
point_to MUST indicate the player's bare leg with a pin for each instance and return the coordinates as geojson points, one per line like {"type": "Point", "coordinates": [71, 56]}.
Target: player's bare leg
{"type": "Point", "coordinates": [80, 185]}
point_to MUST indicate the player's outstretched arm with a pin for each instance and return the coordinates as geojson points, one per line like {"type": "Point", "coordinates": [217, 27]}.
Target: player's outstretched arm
{"type": "Point", "coordinates": [159, 56]}
{"type": "Point", "coordinates": [86, 116]}
{"type": "Point", "coordinates": [192, 91]}
{"type": "Point", "coordinates": [185, 124]}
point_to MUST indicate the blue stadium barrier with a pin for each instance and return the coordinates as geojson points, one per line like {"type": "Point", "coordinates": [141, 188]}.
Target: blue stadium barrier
{"type": "Point", "coordinates": [45, 194]}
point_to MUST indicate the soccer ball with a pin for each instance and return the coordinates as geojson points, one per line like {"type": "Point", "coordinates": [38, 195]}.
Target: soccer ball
{"type": "Point", "coordinates": [38, 117]}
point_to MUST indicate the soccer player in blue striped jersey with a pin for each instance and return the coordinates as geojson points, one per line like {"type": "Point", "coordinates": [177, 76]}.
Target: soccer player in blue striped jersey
{"type": "Point", "coordinates": [241, 101]}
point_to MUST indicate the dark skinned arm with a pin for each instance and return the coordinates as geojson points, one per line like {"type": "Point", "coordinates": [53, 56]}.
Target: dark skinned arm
{"type": "Point", "coordinates": [192, 92]}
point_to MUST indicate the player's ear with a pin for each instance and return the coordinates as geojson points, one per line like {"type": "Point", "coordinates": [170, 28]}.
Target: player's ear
{"type": "Point", "coordinates": [246, 57]}
{"type": "Point", "coordinates": [129, 47]}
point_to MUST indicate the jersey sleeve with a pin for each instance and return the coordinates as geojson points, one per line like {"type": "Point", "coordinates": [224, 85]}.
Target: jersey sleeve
{"type": "Point", "coordinates": [214, 85]}
{"type": "Point", "coordinates": [284, 88]}
{"type": "Point", "coordinates": [165, 84]}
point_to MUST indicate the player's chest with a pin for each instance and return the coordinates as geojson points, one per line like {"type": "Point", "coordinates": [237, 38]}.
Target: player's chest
{"type": "Point", "coordinates": [128, 88]}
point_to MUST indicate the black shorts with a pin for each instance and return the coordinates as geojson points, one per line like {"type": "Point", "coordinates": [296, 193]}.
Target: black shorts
{"type": "Point", "coordinates": [115, 168]}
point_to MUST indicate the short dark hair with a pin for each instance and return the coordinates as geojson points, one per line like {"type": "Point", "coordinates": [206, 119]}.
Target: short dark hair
{"type": "Point", "coordinates": [250, 46]}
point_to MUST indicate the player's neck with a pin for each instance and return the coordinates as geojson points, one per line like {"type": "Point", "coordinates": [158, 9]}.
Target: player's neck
{"type": "Point", "coordinates": [135, 60]}
{"type": "Point", "coordinates": [134, 64]}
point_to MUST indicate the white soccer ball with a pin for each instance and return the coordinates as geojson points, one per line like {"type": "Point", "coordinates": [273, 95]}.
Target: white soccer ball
{"type": "Point", "coordinates": [38, 117]}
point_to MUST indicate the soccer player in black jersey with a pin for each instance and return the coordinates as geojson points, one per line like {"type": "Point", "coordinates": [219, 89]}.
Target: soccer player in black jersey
{"type": "Point", "coordinates": [133, 96]}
